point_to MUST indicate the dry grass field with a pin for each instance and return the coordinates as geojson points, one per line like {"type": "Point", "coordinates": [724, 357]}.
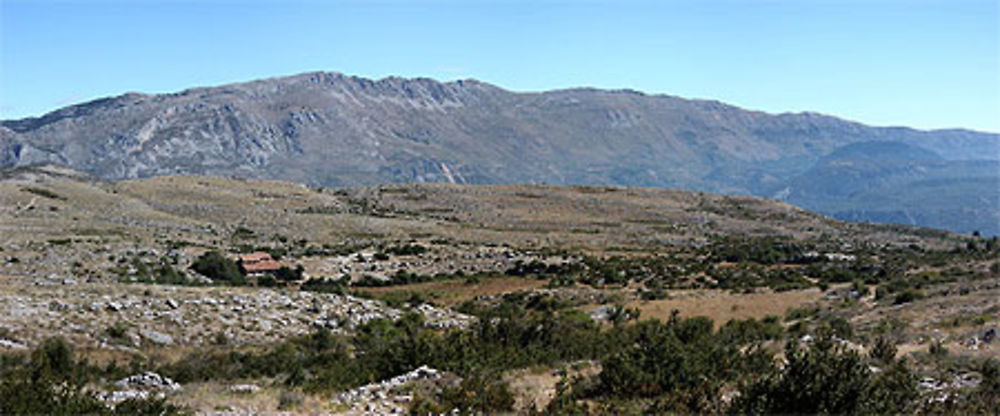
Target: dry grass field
{"type": "Point", "coordinates": [73, 250]}
{"type": "Point", "coordinates": [722, 306]}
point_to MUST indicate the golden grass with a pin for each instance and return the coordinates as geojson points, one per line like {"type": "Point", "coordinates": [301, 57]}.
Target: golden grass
{"type": "Point", "coordinates": [211, 397]}
{"type": "Point", "coordinates": [722, 306]}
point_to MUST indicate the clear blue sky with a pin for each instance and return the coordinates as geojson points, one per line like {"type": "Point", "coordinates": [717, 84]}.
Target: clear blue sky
{"type": "Point", "coordinates": [927, 64]}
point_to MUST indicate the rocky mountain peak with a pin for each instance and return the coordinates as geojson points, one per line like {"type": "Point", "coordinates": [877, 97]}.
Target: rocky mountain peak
{"type": "Point", "coordinates": [333, 129]}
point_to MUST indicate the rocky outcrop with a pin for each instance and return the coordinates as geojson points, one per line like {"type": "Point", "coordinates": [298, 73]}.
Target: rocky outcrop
{"type": "Point", "coordinates": [387, 396]}
{"type": "Point", "coordinates": [126, 316]}
{"type": "Point", "coordinates": [140, 387]}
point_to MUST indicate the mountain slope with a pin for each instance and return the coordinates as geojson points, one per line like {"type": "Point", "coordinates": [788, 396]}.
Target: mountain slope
{"type": "Point", "coordinates": [893, 182]}
{"type": "Point", "coordinates": [331, 129]}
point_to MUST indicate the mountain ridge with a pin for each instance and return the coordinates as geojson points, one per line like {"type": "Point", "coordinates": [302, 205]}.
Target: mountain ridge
{"type": "Point", "coordinates": [332, 129]}
{"type": "Point", "coordinates": [624, 90]}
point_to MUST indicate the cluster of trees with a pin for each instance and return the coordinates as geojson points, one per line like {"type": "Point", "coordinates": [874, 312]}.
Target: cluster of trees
{"type": "Point", "coordinates": [752, 260]}
{"type": "Point", "coordinates": [827, 378]}
{"type": "Point", "coordinates": [401, 277]}
{"type": "Point", "coordinates": [744, 277]}
{"type": "Point", "coordinates": [50, 380]}
{"type": "Point", "coordinates": [159, 271]}
{"type": "Point", "coordinates": [760, 250]}
{"type": "Point", "coordinates": [540, 269]}
{"type": "Point", "coordinates": [677, 366]}
{"type": "Point", "coordinates": [224, 270]}
{"type": "Point", "coordinates": [406, 250]}
{"type": "Point", "coordinates": [507, 337]}
{"type": "Point", "coordinates": [682, 365]}
{"type": "Point", "coordinates": [219, 268]}
{"type": "Point", "coordinates": [324, 285]}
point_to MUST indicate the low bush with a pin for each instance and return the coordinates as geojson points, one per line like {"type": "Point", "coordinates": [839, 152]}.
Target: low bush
{"type": "Point", "coordinates": [907, 296]}
{"type": "Point", "coordinates": [50, 380]}
{"type": "Point", "coordinates": [825, 378]}
{"type": "Point", "coordinates": [218, 267]}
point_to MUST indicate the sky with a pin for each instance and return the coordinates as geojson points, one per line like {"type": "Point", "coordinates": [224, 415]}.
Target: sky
{"type": "Point", "coordinates": [919, 63]}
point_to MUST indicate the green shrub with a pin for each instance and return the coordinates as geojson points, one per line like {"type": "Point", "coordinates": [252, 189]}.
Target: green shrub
{"type": "Point", "coordinates": [51, 381]}
{"type": "Point", "coordinates": [287, 274]}
{"type": "Point", "coordinates": [666, 358]}
{"type": "Point", "coordinates": [937, 349]}
{"type": "Point", "coordinates": [751, 330]}
{"type": "Point", "coordinates": [117, 331]}
{"type": "Point", "coordinates": [218, 267]}
{"type": "Point", "coordinates": [242, 233]}
{"type": "Point", "coordinates": [824, 378]}
{"type": "Point", "coordinates": [407, 250]}
{"type": "Point", "coordinates": [478, 394]}
{"type": "Point", "coordinates": [324, 285]}
{"type": "Point", "coordinates": [907, 296]}
{"type": "Point", "coordinates": [45, 193]}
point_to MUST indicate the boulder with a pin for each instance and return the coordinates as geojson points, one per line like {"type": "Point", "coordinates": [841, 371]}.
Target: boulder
{"type": "Point", "coordinates": [148, 381]}
{"type": "Point", "coordinates": [244, 388]}
{"type": "Point", "coordinates": [157, 338]}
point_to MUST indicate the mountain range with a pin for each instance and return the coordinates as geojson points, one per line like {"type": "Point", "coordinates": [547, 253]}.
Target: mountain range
{"type": "Point", "coordinates": [334, 130]}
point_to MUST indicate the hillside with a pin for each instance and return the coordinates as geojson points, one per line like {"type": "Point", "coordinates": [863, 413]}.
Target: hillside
{"type": "Point", "coordinates": [47, 203]}
{"type": "Point", "coordinates": [425, 296]}
{"type": "Point", "coordinates": [897, 183]}
{"type": "Point", "coordinates": [333, 130]}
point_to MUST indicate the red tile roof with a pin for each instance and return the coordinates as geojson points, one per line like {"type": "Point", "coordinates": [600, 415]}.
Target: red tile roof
{"type": "Point", "coordinates": [255, 256]}
{"type": "Point", "coordinates": [258, 262]}
{"type": "Point", "coordinates": [261, 266]}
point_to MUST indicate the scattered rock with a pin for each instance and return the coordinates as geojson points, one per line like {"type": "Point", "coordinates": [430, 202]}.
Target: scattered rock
{"type": "Point", "coordinates": [148, 381]}
{"type": "Point", "coordinates": [115, 397]}
{"type": "Point", "coordinates": [13, 345]}
{"type": "Point", "coordinates": [600, 313]}
{"type": "Point", "coordinates": [186, 316]}
{"type": "Point", "coordinates": [379, 398]}
{"type": "Point", "coordinates": [244, 388]}
{"type": "Point", "coordinates": [157, 338]}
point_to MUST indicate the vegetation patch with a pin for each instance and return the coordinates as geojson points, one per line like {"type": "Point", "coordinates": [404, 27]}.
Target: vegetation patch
{"type": "Point", "coordinates": [44, 193]}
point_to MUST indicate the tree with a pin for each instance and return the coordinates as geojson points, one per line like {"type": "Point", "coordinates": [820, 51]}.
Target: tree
{"type": "Point", "coordinates": [52, 381]}
{"type": "Point", "coordinates": [287, 274]}
{"type": "Point", "coordinates": [825, 378]}
{"type": "Point", "coordinates": [681, 359]}
{"type": "Point", "coordinates": [216, 266]}
{"type": "Point", "coordinates": [479, 393]}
